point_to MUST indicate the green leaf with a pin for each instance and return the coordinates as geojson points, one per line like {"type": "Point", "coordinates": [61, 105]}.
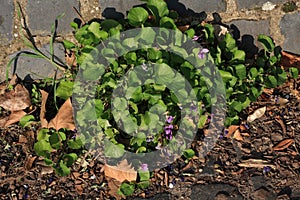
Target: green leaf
{"type": "Point", "coordinates": [228, 43]}
{"type": "Point", "coordinates": [294, 72]}
{"type": "Point", "coordinates": [240, 71]}
{"type": "Point", "coordinates": [226, 76]}
{"type": "Point", "coordinates": [126, 189]}
{"type": "Point", "coordinates": [112, 150]}
{"type": "Point", "coordinates": [68, 45]}
{"type": "Point", "coordinates": [63, 169]}
{"type": "Point", "coordinates": [108, 24]}
{"type": "Point", "coordinates": [163, 74]}
{"type": "Point", "coordinates": [137, 16]}
{"type": "Point", "coordinates": [209, 32]}
{"type": "Point", "coordinates": [202, 121]}
{"type": "Point", "coordinates": [167, 22]}
{"type": "Point", "coordinates": [55, 140]}
{"type": "Point", "coordinates": [158, 8]}
{"type": "Point", "coordinates": [70, 158]}
{"type": "Point", "coordinates": [144, 175]}
{"type": "Point", "coordinates": [270, 81]}
{"type": "Point", "coordinates": [26, 120]}
{"type": "Point", "coordinates": [253, 72]}
{"type": "Point", "coordinates": [42, 148]}
{"type": "Point", "coordinates": [43, 134]}
{"type": "Point", "coordinates": [99, 107]}
{"type": "Point", "coordinates": [154, 54]}
{"type": "Point", "coordinates": [75, 144]}
{"type": "Point", "coordinates": [238, 56]}
{"type": "Point", "coordinates": [65, 89]}
{"type": "Point", "coordinates": [267, 42]}
{"type": "Point", "coordinates": [189, 153]}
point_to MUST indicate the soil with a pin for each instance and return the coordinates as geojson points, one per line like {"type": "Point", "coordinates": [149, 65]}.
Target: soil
{"type": "Point", "coordinates": [260, 160]}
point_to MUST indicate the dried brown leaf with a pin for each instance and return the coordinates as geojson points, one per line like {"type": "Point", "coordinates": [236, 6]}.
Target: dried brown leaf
{"type": "Point", "coordinates": [237, 135]}
{"type": "Point", "coordinates": [113, 186]}
{"type": "Point", "coordinates": [64, 117]}
{"type": "Point", "coordinates": [44, 122]}
{"type": "Point", "coordinates": [14, 117]}
{"type": "Point", "coordinates": [16, 99]}
{"type": "Point", "coordinates": [256, 114]}
{"type": "Point", "coordinates": [231, 130]}
{"type": "Point", "coordinates": [283, 144]}
{"type": "Point", "coordinates": [123, 171]}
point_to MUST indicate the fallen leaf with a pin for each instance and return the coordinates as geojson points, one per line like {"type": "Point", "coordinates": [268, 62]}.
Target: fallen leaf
{"type": "Point", "coordinates": [16, 99]}
{"type": "Point", "coordinates": [256, 114]}
{"type": "Point", "coordinates": [237, 135]}
{"type": "Point", "coordinates": [22, 139]}
{"type": "Point", "coordinates": [231, 129]}
{"type": "Point", "coordinates": [44, 122]}
{"type": "Point", "coordinates": [283, 144]}
{"type": "Point", "coordinates": [64, 117]}
{"type": "Point", "coordinates": [14, 117]}
{"type": "Point", "coordinates": [123, 171]}
{"type": "Point", "coordinates": [114, 186]}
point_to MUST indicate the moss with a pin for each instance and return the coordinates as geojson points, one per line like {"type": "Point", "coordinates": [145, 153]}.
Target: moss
{"type": "Point", "coordinates": [289, 6]}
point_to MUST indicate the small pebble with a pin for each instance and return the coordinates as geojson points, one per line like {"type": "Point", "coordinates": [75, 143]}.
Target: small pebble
{"type": "Point", "coordinates": [171, 185]}
{"type": "Point", "coordinates": [268, 6]}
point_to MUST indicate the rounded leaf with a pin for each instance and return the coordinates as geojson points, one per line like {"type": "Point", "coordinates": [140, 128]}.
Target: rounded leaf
{"type": "Point", "coordinates": [137, 16]}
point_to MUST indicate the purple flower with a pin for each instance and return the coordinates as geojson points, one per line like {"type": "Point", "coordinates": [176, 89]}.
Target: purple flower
{"type": "Point", "coordinates": [144, 167]}
{"type": "Point", "coordinates": [168, 129]}
{"type": "Point", "coordinates": [266, 169]}
{"type": "Point", "coordinates": [195, 37]}
{"type": "Point", "coordinates": [170, 119]}
{"type": "Point", "coordinates": [202, 53]}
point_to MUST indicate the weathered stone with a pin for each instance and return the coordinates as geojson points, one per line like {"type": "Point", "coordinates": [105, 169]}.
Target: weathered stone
{"type": "Point", "coordinates": [247, 31]}
{"type": "Point", "coordinates": [42, 15]}
{"type": "Point", "coordinates": [117, 9]}
{"type": "Point", "coordinates": [246, 4]}
{"type": "Point", "coordinates": [290, 28]}
{"type": "Point", "coordinates": [6, 21]}
{"type": "Point", "coordinates": [37, 68]}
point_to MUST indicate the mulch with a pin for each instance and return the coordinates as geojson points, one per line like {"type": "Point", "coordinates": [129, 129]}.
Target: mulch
{"type": "Point", "coordinates": [258, 160]}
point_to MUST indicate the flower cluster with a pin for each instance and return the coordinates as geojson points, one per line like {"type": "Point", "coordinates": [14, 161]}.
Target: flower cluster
{"type": "Point", "coordinates": [169, 128]}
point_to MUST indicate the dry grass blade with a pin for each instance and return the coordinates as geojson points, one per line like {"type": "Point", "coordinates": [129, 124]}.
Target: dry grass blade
{"type": "Point", "coordinates": [283, 144]}
{"type": "Point", "coordinates": [44, 122]}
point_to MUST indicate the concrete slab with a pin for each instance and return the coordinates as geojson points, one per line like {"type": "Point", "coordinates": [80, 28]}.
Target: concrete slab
{"type": "Point", "coordinates": [290, 28]}
{"type": "Point", "coordinates": [246, 4]}
{"type": "Point", "coordinates": [6, 21]}
{"type": "Point", "coordinates": [117, 9]}
{"type": "Point", "coordinates": [42, 15]}
{"type": "Point", "coordinates": [37, 68]}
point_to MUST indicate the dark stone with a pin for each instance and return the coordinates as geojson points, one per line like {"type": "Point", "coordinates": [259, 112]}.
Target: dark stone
{"type": "Point", "coordinates": [117, 9]}
{"type": "Point", "coordinates": [6, 21]}
{"type": "Point", "coordinates": [290, 28]}
{"type": "Point", "coordinates": [42, 15]}
{"type": "Point", "coordinates": [37, 68]}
